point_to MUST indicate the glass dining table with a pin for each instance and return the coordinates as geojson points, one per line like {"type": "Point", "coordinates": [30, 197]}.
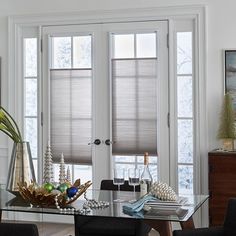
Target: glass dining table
{"type": "Point", "coordinates": [157, 217]}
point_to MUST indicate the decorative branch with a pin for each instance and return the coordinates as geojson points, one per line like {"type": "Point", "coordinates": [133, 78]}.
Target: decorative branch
{"type": "Point", "coordinates": [9, 126]}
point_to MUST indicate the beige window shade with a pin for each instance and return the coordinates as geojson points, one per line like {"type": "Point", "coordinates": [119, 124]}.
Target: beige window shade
{"type": "Point", "coordinates": [134, 106]}
{"type": "Point", "coordinates": [71, 115]}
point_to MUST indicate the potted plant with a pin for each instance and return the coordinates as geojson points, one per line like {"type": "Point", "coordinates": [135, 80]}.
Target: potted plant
{"type": "Point", "coordinates": [226, 130]}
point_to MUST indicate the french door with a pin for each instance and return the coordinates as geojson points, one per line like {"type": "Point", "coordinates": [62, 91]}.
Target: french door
{"type": "Point", "coordinates": [105, 96]}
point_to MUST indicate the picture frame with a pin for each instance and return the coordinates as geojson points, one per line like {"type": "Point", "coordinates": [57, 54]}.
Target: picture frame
{"type": "Point", "coordinates": [230, 74]}
{"type": "Point", "coordinates": [0, 80]}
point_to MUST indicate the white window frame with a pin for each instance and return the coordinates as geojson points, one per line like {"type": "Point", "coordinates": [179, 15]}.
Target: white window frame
{"type": "Point", "coordinates": [183, 25]}
{"type": "Point", "coordinates": [196, 13]}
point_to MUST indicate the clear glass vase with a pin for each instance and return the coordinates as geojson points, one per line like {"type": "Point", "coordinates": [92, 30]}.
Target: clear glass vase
{"type": "Point", "coordinates": [21, 167]}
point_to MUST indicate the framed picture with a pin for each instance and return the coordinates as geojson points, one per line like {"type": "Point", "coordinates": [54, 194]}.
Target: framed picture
{"type": "Point", "coordinates": [0, 80]}
{"type": "Point", "coordinates": [230, 74]}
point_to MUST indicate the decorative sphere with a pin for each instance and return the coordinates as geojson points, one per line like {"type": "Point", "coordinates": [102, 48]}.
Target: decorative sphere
{"type": "Point", "coordinates": [48, 186]}
{"type": "Point", "coordinates": [62, 187]}
{"type": "Point", "coordinates": [71, 191]}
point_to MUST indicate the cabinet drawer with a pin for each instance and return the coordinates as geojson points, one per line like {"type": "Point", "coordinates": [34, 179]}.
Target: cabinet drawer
{"type": "Point", "coordinates": [223, 182]}
{"type": "Point", "coordinates": [222, 164]}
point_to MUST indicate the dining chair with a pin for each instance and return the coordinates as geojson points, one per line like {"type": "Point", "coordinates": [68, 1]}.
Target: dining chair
{"type": "Point", "coordinates": [18, 229]}
{"type": "Point", "coordinates": [108, 226]}
{"type": "Point", "coordinates": [228, 228]}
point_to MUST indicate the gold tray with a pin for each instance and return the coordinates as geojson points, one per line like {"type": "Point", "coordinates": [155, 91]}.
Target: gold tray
{"type": "Point", "coordinates": [38, 196]}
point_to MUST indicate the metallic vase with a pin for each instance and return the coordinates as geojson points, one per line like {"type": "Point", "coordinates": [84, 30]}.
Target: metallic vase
{"type": "Point", "coordinates": [21, 168]}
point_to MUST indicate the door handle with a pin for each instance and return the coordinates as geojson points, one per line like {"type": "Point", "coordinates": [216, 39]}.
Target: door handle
{"type": "Point", "coordinates": [96, 142]}
{"type": "Point", "coordinates": [108, 142]}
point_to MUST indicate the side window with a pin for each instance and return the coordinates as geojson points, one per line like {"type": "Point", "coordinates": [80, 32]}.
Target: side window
{"type": "Point", "coordinates": [185, 112]}
{"type": "Point", "coordinates": [31, 82]}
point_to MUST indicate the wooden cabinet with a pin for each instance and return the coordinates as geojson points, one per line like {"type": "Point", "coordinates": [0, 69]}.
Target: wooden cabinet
{"type": "Point", "coordinates": [222, 184]}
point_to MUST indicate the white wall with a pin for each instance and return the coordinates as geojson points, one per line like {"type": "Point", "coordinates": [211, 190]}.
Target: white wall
{"type": "Point", "coordinates": [221, 34]}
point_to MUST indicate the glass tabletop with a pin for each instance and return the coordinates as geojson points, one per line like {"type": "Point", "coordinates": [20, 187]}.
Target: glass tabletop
{"type": "Point", "coordinates": [9, 202]}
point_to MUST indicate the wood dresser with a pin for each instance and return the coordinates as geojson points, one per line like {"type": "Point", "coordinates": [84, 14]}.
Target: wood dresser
{"type": "Point", "coordinates": [222, 184]}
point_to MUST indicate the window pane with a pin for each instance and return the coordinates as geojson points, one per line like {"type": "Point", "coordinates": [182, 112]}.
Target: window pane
{"type": "Point", "coordinates": [31, 97]}
{"type": "Point", "coordinates": [56, 169]}
{"type": "Point", "coordinates": [124, 46]}
{"type": "Point", "coordinates": [83, 172]}
{"type": "Point", "coordinates": [152, 159]}
{"type": "Point", "coordinates": [61, 52]}
{"type": "Point", "coordinates": [153, 170]}
{"type": "Point", "coordinates": [124, 158]}
{"type": "Point", "coordinates": [82, 52]}
{"type": "Point", "coordinates": [146, 45]}
{"type": "Point", "coordinates": [31, 134]}
{"type": "Point", "coordinates": [184, 53]}
{"type": "Point", "coordinates": [185, 179]}
{"type": "Point", "coordinates": [185, 141]}
{"type": "Point", "coordinates": [131, 164]}
{"type": "Point", "coordinates": [185, 96]}
{"type": "Point", "coordinates": [126, 167]}
{"type": "Point", "coordinates": [30, 57]}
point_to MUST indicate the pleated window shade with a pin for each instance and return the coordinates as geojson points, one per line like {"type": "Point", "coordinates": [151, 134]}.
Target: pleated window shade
{"type": "Point", "coordinates": [134, 106]}
{"type": "Point", "coordinates": [71, 115]}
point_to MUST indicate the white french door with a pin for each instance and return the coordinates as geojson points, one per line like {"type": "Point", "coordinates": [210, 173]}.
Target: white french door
{"type": "Point", "coordinates": [78, 91]}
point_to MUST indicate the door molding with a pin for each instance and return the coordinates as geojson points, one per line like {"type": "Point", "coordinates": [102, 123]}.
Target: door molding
{"type": "Point", "coordinates": [196, 12]}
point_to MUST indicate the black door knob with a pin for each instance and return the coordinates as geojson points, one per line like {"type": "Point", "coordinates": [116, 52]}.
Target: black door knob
{"type": "Point", "coordinates": [96, 142]}
{"type": "Point", "coordinates": [108, 142]}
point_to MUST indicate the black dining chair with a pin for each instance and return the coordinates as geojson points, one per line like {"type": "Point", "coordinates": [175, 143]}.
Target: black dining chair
{"type": "Point", "coordinates": [18, 229]}
{"type": "Point", "coordinates": [228, 228]}
{"type": "Point", "coordinates": [108, 226]}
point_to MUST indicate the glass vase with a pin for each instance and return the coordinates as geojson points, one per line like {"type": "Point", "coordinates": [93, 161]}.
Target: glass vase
{"type": "Point", "coordinates": [21, 167]}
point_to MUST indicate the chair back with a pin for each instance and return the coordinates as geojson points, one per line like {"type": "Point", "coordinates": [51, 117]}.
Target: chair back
{"type": "Point", "coordinates": [107, 184]}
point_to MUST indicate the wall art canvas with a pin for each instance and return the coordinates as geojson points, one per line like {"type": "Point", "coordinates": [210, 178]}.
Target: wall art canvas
{"type": "Point", "coordinates": [230, 74]}
{"type": "Point", "coordinates": [0, 79]}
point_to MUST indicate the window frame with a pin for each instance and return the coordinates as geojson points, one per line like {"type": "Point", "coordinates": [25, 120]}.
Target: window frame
{"type": "Point", "coordinates": [196, 13]}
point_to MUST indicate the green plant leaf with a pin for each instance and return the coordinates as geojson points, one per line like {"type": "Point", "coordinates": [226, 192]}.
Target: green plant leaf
{"type": "Point", "coordinates": [9, 126]}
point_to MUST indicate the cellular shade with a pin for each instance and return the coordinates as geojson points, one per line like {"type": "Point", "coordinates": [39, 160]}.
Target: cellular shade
{"type": "Point", "coordinates": [134, 106]}
{"type": "Point", "coordinates": [71, 115]}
